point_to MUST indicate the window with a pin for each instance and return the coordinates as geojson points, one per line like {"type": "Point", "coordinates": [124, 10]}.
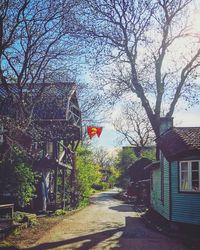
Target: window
{"type": "Point", "coordinates": [49, 149]}
{"type": "Point", "coordinates": [190, 176]}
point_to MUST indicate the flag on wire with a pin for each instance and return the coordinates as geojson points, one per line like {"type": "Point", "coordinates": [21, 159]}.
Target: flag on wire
{"type": "Point", "coordinates": [92, 131]}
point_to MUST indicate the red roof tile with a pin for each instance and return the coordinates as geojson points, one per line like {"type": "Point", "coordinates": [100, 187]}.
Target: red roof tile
{"type": "Point", "coordinates": [177, 142]}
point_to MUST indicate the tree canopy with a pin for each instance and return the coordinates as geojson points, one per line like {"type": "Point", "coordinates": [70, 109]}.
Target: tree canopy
{"type": "Point", "coordinates": [148, 48]}
{"type": "Point", "coordinates": [133, 126]}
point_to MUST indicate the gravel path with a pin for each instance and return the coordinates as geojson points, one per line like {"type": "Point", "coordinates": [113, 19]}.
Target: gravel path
{"type": "Point", "coordinates": [106, 224]}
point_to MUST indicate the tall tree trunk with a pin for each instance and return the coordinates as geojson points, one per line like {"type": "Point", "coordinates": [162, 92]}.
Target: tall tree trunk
{"type": "Point", "coordinates": [73, 182]}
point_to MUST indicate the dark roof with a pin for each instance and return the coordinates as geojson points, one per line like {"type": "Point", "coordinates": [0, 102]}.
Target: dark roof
{"type": "Point", "coordinates": [53, 100]}
{"type": "Point", "coordinates": [153, 165]}
{"type": "Point", "coordinates": [178, 142]}
{"type": "Point", "coordinates": [11, 88]}
{"type": "Point", "coordinates": [56, 112]}
{"type": "Point", "coordinates": [58, 88]}
{"type": "Point", "coordinates": [137, 170]}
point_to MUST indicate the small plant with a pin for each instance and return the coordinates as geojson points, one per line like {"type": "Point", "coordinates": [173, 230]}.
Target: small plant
{"type": "Point", "coordinates": [18, 217]}
{"type": "Point", "coordinates": [16, 232]}
{"type": "Point", "coordinates": [22, 217]}
{"type": "Point", "coordinates": [4, 244]}
{"type": "Point", "coordinates": [59, 212]}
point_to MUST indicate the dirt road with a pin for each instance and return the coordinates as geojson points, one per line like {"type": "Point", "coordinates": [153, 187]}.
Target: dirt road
{"type": "Point", "coordinates": [106, 224]}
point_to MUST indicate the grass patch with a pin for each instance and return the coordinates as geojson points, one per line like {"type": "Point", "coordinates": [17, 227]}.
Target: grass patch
{"type": "Point", "coordinates": [25, 237]}
{"type": "Point", "coordinates": [5, 244]}
{"type": "Point", "coordinates": [59, 212]}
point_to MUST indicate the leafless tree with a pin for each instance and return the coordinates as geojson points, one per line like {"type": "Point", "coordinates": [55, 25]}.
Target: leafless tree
{"type": "Point", "coordinates": [149, 49]}
{"type": "Point", "coordinates": [37, 46]}
{"type": "Point", "coordinates": [91, 102]}
{"type": "Point", "coordinates": [102, 158]}
{"type": "Point", "coordinates": [34, 37]}
{"type": "Point", "coordinates": [133, 126]}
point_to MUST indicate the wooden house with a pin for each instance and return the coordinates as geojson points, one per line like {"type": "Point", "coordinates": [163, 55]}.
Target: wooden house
{"type": "Point", "coordinates": [51, 139]}
{"type": "Point", "coordinates": [175, 178]}
{"type": "Point", "coordinates": [139, 185]}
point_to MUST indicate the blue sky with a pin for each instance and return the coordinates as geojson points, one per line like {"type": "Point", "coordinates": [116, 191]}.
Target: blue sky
{"type": "Point", "coordinates": [182, 118]}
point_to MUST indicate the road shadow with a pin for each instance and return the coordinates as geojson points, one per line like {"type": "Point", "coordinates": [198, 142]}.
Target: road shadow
{"type": "Point", "coordinates": [131, 230]}
{"type": "Point", "coordinates": [103, 197]}
{"type": "Point", "coordinates": [116, 239]}
{"type": "Point", "coordinates": [122, 208]}
{"type": "Point", "coordinates": [130, 207]}
{"type": "Point", "coordinates": [87, 241]}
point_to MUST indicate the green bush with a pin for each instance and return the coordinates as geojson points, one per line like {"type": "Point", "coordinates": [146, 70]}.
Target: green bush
{"type": "Point", "coordinates": [88, 174]}
{"type": "Point", "coordinates": [59, 212]}
{"type": "Point", "coordinates": [17, 177]}
{"type": "Point", "coordinates": [22, 217]}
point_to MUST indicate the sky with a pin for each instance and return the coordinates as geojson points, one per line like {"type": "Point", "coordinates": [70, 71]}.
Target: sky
{"type": "Point", "coordinates": [182, 118]}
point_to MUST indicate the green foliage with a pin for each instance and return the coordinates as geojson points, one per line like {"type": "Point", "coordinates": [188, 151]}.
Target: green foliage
{"type": "Point", "coordinates": [25, 183]}
{"type": "Point", "coordinates": [18, 216]}
{"type": "Point", "coordinates": [88, 174]}
{"type": "Point", "coordinates": [59, 212]}
{"type": "Point", "coordinates": [5, 244]}
{"type": "Point", "coordinates": [113, 178]}
{"type": "Point", "coordinates": [125, 157]}
{"type": "Point", "coordinates": [21, 217]}
{"type": "Point", "coordinates": [149, 154]}
{"type": "Point", "coordinates": [17, 177]}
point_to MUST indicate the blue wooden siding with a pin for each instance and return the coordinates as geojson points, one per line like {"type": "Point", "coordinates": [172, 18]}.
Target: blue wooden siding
{"type": "Point", "coordinates": [185, 206]}
{"type": "Point", "coordinates": [162, 207]}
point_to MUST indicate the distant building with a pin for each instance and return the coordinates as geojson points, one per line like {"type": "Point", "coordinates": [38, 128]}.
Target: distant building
{"type": "Point", "coordinates": [139, 185]}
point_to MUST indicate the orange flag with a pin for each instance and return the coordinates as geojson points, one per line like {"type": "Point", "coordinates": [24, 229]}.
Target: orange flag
{"type": "Point", "coordinates": [92, 131]}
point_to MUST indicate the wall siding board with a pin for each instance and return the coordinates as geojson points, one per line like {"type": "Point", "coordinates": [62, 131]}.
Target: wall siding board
{"type": "Point", "coordinates": [160, 206]}
{"type": "Point", "coordinates": [185, 206]}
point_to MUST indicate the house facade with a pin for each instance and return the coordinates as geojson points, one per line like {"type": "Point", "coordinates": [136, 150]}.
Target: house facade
{"type": "Point", "coordinates": [51, 138]}
{"type": "Point", "coordinates": [175, 178]}
{"type": "Point", "coordinates": [139, 185]}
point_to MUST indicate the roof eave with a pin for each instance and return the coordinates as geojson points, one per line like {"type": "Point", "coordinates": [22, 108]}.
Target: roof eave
{"type": "Point", "coordinates": [154, 164]}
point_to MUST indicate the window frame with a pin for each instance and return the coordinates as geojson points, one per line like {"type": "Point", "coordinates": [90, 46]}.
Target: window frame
{"type": "Point", "coordinates": [189, 174]}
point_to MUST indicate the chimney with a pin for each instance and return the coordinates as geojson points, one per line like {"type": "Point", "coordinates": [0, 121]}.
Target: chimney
{"type": "Point", "coordinates": [165, 124]}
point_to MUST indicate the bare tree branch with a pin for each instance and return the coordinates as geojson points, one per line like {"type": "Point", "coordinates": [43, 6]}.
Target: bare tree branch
{"type": "Point", "coordinates": [139, 39]}
{"type": "Point", "coordinates": [133, 126]}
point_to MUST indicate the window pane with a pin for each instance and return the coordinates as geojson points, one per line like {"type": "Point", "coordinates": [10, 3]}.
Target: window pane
{"type": "Point", "coordinates": [184, 176]}
{"type": "Point", "coordinates": [195, 185]}
{"type": "Point", "coordinates": [184, 166]}
{"type": "Point", "coordinates": [195, 165]}
{"type": "Point", "coordinates": [184, 181]}
{"type": "Point", "coordinates": [190, 176]}
{"type": "Point", "coordinates": [184, 185]}
{"type": "Point", "coordinates": [195, 175]}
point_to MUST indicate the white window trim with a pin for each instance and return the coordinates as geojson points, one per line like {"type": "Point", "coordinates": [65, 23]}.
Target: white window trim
{"type": "Point", "coordinates": [189, 176]}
